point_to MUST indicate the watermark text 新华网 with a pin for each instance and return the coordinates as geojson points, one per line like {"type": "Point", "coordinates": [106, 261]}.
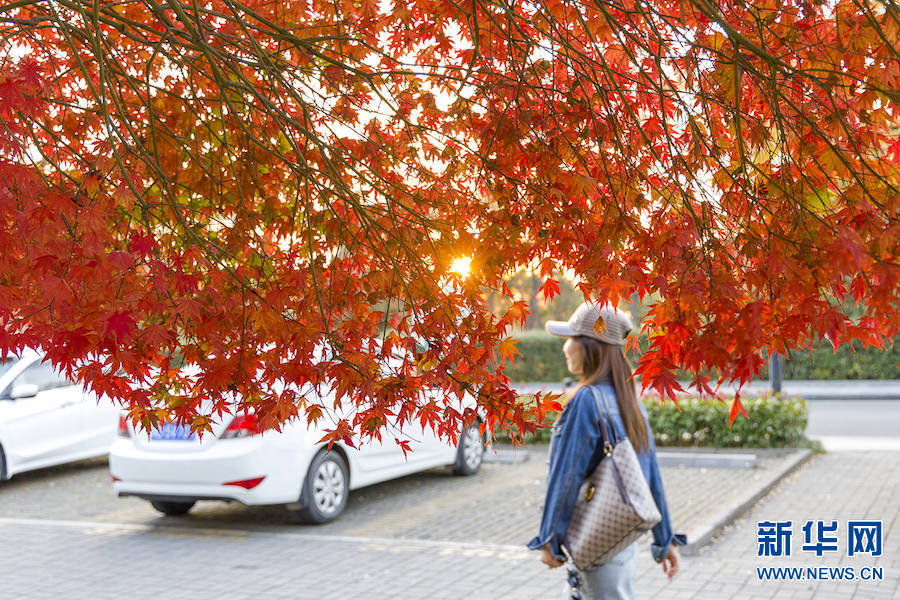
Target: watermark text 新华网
{"type": "Point", "coordinates": [821, 538]}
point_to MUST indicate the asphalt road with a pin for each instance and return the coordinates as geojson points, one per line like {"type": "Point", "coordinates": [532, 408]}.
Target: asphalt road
{"type": "Point", "coordinates": [877, 418]}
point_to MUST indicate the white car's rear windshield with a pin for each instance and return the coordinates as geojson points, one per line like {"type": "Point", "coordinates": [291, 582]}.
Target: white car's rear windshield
{"type": "Point", "coordinates": [7, 364]}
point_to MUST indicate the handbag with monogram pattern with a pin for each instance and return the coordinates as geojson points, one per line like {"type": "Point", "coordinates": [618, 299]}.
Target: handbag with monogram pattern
{"type": "Point", "coordinates": [614, 507]}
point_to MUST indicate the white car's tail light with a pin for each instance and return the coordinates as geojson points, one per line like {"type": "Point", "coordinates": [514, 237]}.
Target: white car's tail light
{"type": "Point", "coordinates": [247, 484]}
{"type": "Point", "coordinates": [123, 427]}
{"type": "Point", "coordinates": [241, 426]}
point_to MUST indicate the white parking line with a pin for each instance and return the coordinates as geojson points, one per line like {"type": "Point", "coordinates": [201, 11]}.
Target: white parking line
{"type": "Point", "coordinates": [95, 526]}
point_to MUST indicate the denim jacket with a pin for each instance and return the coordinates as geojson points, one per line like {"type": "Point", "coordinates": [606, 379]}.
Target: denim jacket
{"type": "Point", "coordinates": [575, 450]}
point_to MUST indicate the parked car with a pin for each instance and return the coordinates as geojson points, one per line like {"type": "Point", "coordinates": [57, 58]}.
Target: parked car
{"type": "Point", "coordinates": [46, 419]}
{"type": "Point", "coordinates": [173, 468]}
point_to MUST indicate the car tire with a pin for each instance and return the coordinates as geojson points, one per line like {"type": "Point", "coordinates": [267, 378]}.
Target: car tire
{"type": "Point", "coordinates": [2, 465]}
{"type": "Point", "coordinates": [469, 450]}
{"type": "Point", "coordinates": [172, 509]}
{"type": "Point", "coordinates": [326, 488]}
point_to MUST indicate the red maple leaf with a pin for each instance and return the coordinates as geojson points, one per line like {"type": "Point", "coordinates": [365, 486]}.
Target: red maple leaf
{"type": "Point", "coordinates": [549, 289]}
{"type": "Point", "coordinates": [121, 325]}
{"type": "Point", "coordinates": [142, 244]}
{"type": "Point", "coordinates": [894, 151]}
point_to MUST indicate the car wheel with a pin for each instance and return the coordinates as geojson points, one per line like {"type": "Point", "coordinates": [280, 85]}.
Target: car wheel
{"type": "Point", "coordinates": [173, 509]}
{"type": "Point", "coordinates": [326, 488]}
{"type": "Point", "coordinates": [470, 451]}
{"type": "Point", "coordinates": [2, 465]}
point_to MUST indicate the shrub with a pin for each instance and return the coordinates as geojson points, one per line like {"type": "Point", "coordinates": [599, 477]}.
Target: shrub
{"type": "Point", "coordinates": [774, 422]}
{"type": "Point", "coordinates": [846, 363]}
{"type": "Point", "coordinates": [541, 358]}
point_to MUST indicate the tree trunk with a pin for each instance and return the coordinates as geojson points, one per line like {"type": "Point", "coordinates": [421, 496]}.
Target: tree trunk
{"type": "Point", "coordinates": [534, 319]}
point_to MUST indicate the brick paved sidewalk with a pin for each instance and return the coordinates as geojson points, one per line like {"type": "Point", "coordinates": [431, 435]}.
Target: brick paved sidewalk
{"type": "Point", "coordinates": [840, 486]}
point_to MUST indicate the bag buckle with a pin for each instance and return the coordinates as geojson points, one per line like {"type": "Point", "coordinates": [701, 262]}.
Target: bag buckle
{"type": "Point", "coordinates": [589, 493]}
{"type": "Point", "coordinates": [607, 449]}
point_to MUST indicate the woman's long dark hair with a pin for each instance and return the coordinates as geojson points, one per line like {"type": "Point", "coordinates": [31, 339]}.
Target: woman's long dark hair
{"type": "Point", "coordinates": [608, 361]}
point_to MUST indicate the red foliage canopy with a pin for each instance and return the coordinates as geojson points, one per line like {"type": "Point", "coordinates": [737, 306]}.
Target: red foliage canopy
{"type": "Point", "coordinates": [274, 191]}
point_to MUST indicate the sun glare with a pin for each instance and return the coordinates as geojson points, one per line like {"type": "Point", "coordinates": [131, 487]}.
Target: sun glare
{"type": "Point", "coordinates": [462, 266]}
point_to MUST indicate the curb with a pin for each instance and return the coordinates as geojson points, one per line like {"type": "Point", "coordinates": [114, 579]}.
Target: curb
{"type": "Point", "coordinates": [824, 397]}
{"type": "Point", "coordinates": [701, 535]}
{"type": "Point", "coordinates": [721, 460]}
{"type": "Point", "coordinates": [505, 454]}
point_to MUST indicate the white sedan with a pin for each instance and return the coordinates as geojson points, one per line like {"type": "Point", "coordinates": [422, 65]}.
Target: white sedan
{"type": "Point", "coordinates": [173, 469]}
{"type": "Point", "coordinates": [46, 420]}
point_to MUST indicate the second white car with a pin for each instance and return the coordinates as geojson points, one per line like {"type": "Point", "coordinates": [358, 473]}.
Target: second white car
{"type": "Point", "coordinates": [46, 419]}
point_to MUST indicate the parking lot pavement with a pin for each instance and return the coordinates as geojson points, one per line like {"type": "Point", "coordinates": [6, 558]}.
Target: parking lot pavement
{"type": "Point", "coordinates": [409, 507]}
{"type": "Point", "coordinates": [64, 534]}
{"type": "Point", "coordinates": [501, 505]}
{"type": "Point", "coordinates": [120, 561]}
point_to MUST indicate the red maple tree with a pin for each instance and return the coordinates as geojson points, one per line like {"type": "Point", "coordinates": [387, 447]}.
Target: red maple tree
{"type": "Point", "coordinates": [274, 192]}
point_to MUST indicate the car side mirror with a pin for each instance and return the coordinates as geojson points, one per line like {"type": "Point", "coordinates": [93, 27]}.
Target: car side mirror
{"type": "Point", "coordinates": [24, 390]}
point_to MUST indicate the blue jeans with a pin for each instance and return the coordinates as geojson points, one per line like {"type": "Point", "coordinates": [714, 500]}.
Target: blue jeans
{"type": "Point", "coordinates": [611, 581]}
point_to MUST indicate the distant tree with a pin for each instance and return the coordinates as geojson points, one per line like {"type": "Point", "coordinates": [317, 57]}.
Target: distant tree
{"type": "Point", "coordinates": [276, 191]}
{"type": "Point", "coordinates": [561, 307]}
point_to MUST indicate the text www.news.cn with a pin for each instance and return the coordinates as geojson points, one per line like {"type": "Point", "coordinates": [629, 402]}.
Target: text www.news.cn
{"type": "Point", "coordinates": [819, 573]}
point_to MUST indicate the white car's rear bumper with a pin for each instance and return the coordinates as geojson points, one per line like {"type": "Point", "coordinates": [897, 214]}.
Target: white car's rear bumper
{"type": "Point", "coordinates": [203, 474]}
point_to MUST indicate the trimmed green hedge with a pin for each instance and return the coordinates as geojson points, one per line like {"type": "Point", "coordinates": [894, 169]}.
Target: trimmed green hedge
{"type": "Point", "coordinates": [774, 422]}
{"type": "Point", "coordinates": [825, 363]}
{"type": "Point", "coordinates": [542, 360]}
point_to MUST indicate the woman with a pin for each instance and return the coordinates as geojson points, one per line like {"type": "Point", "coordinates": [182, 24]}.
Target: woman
{"type": "Point", "coordinates": [594, 351]}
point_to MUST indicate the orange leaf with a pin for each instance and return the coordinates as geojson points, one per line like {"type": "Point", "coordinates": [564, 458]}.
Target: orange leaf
{"type": "Point", "coordinates": [313, 413]}
{"type": "Point", "coordinates": [508, 351]}
{"type": "Point", "coordinates": [736, 407]}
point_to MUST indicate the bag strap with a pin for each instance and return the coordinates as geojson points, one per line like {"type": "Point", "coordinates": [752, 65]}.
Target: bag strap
{"type": "Point", "coordinates": [608, 446]}
{"type": "Point", "coordinates": [608, 442]}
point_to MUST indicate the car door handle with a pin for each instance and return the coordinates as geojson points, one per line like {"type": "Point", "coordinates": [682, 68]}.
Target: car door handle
{"type": "Point", "coordinates": [69, 403]}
